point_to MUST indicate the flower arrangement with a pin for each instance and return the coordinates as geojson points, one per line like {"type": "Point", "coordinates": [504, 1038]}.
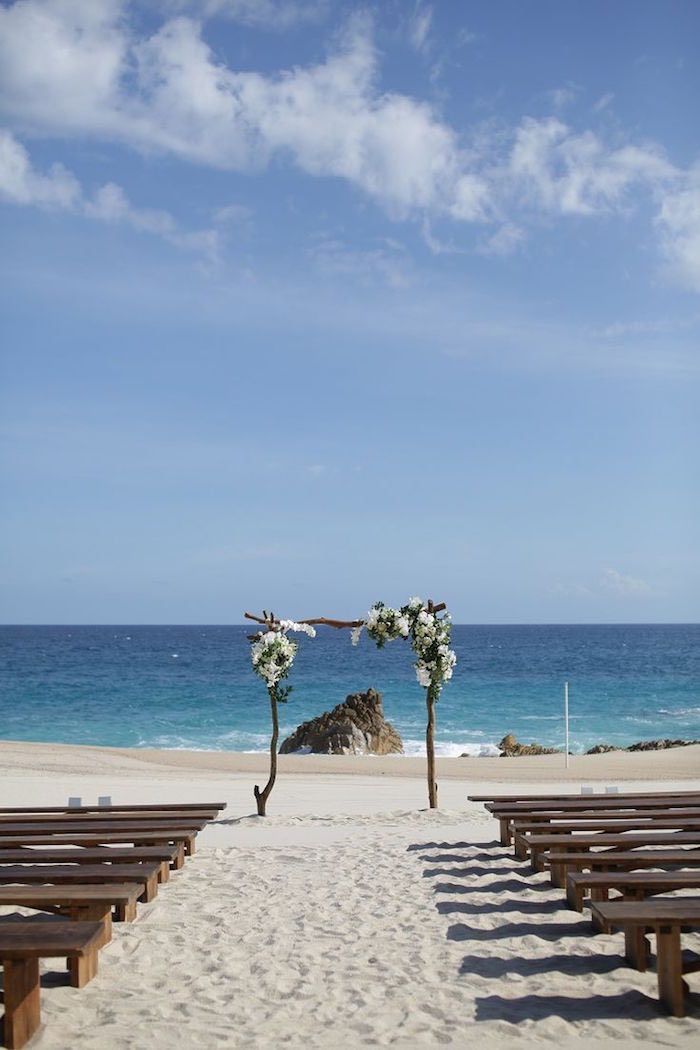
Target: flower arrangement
{"type": "Point", "coordinates": [430, 640]}
{"type": "Point", "coordinates": [429, 633]}
{"type": "Point", "coordinates": [272, 655]}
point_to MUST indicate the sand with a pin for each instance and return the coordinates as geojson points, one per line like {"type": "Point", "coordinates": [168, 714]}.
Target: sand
{"type": "Point", "coordinates": [351, 916]}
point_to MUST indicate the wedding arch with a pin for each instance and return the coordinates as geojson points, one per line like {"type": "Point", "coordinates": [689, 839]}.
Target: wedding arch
{"type": "Point", "coordinates": [273, 652]}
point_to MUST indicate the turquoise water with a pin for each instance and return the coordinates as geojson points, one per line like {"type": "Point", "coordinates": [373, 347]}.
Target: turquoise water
{"type": "Point", "coordinates": [192, 687]}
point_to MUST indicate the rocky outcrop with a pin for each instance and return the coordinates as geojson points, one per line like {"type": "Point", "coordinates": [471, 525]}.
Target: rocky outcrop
{"type": "Point", "coordinates": [659, 745]}
{"type": "Point", "coordinates": [510, 748]}
{"type": "Point", "coordinates": [641, 745]}
{"type": "Point", "coordinates": [355, 727]}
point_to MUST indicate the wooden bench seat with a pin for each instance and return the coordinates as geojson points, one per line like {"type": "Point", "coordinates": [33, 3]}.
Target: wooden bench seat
{"type": "Point", "coordinates": [61, 874]}
{"type": "Point", "coordinates": [84, 903]}
{"type": "Point", "coordinates": [523, 833]}
{"type": "Point", "coordinates": [632, 885]}
{"type": "Point", "coordinates": [617, 860]}
{"type": "Point", "coordinates": [184, 807]}
{"type": "Point", "coordinates": [166, 855]}
{"type": "Point", "coordinates": [60, 827]}
{"type": "Point", "coordinates": [572, 796]}
{"type": "Point", "coordinates": [538, 844]}
{"type": "Point", "coordinates": [195, 818]}
{"type": "Point", "coordinates": [176, 836]}
{"type": "Point", "coordinates": [666, 919]}
{"type": "Point", "coordinates": [22, 945]}
{"type": "Point", "coordinates": [508, 816]}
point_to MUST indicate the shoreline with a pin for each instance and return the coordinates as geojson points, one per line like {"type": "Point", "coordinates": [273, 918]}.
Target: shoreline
{"type": "Point", "coordinates": [37, 759]}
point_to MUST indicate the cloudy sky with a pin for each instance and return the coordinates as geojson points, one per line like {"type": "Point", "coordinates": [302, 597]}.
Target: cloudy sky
{"type": "Point", "coordinates": [307, 303]}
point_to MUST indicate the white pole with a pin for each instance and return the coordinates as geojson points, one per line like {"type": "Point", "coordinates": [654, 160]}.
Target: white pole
{"type": "Point", "coordinates": [566, 724]}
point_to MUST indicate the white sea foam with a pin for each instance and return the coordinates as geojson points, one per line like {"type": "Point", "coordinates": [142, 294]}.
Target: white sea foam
{"type": "Point", "coordinates": [451, 749]}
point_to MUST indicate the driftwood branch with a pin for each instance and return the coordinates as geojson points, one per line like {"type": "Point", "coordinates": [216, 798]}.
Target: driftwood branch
{"type": "Point", "coordinates": [272, 623]}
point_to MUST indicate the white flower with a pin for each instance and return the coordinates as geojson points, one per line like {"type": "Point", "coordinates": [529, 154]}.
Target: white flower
{"type": "Point", "coordinates": [355, 634]}
{"type": "Point", "coordinates": [299, 628]}
{"type": "Point", "coordinates": [423, 677]}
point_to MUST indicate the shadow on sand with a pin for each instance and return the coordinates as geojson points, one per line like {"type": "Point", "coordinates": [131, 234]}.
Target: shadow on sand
{"type": "Point", "coordinates": [589, 1007]}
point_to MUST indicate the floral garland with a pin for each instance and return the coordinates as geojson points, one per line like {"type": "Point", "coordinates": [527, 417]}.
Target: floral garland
{"type": "Point", "coordinates": [272, 653]}
{"type": "Point", "coordinates": [429, 634]}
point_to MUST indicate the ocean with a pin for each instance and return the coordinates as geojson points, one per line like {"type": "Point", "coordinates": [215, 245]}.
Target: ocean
{"type": "Point", "coordinates": [194, 688]}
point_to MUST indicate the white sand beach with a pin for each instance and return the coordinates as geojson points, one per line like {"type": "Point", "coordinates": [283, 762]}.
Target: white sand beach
{"type": "Point", "coordinates": [351, 916]}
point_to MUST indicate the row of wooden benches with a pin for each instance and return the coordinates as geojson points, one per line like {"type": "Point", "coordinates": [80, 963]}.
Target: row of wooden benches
{"type": "Point", "coordinates": [595, 845]}
{"type": "Point", "coordinates": [87, 865]}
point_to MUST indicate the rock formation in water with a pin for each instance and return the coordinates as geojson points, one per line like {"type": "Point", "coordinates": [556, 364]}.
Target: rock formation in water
{"type": "Point", "coordinates": [355, 727]}
{"type": "Point", "coordinates": [510, 748]}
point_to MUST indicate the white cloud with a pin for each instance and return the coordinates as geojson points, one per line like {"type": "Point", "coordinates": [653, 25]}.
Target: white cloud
{"type": "Point", "coordinates": [21, 183]}
{"type": "Point", "coordinates": [505, 241]}
{"type": "Point", "coordinates": [384, 263]}
{"type": "Point", "coordinates": [572, 174]}
{"type": "Point", "coordinates": [419, 26]}
{"type": "Point", "coordinates": [236, 214]}
{"type": "Point", "coordinates": [659, 326]}
{"type": "Point", "coordinates": [603, 102]}
{"type": "Point", "coordinates": [82, 73]}
{"type": "Point", "coordinates": [261, 14]}
{"type": "Point", "coordinates": [679, 224]}
{"type": "Point", "coordinates": [624, 586]}
{"type": "Point", "coordinates": [84, 68]}
{"type": "Point", "coordinates": [563, 96]}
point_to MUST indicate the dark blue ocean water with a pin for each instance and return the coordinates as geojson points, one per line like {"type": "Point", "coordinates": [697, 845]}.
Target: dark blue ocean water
{"type": "Point", "coordinates": [193, 687]}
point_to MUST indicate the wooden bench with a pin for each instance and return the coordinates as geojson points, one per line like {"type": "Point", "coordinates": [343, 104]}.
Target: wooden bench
{"type": "Point", "coordinates": [572, 796]}
{"type": "Point", "coordinates": [524, 832]}
{"type": "Point", "coordinates": [163, 818]}
{"type": "Point", "coordinates": [22, 945]}
{"type": "Point", "coordinates": [61, 874]}
{"type": "Point", "coordinates": [538, 844]}
{"type": "Point", "coordinates": [607, 808]}
{"type": "Point", "coordinates": [182, 807]}
{"type": "Point", "coordinates": [617, 860]}
{"type": "Point", "coordinates": [86, 903]}
{"type": "Point", "coordinates": [632, 885]}
{"type": "Point", "coordinates": [67, 825]}
{"type": "Point", "coordinates": [509, 820]}
{"type": "Point", "coordinates": [176, 836]}
{"type": "Point", "coordinates": [665, 919]}
{"type": "Point", "coordinates": [165, 855]}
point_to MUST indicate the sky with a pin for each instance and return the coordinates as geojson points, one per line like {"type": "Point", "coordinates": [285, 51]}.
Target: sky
{"type": "Point", "coordinates": [307, 304]}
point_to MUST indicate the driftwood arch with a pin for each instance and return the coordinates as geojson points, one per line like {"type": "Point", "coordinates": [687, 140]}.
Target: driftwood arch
{"type": "Point", "coordinates": [272, 623]}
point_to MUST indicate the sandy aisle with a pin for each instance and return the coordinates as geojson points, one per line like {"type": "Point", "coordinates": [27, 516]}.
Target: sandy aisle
{"type": "Point", "coordinates": [353, 917]}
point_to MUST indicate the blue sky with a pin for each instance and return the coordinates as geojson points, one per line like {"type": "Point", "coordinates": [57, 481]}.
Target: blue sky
{"type": "Point", "coordinates": [307, 304]}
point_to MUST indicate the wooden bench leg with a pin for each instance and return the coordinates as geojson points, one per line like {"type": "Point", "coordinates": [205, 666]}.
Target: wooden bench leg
{"type": "Point", "coordinates": [574, 896]}
{"type": "Point", "coordinates": [179, 861]}
{"type": "Point", "coordinates": [636, 947]}
{"type": "Point", "coordinates": [150, 890]}
{"type": "Point", "coordinates": [125, 912]}
{"type": "Point", "coordinates": [521, 848]}
{"type": "Point", "coordinates": [164, 873]}
{"type": "Point", "coordinates": [83, 968]}
{"type": "Point", "coordinates": [22, 1010]}
{"type": "Point", "coordinates": [557, 875]}
{"type": "Point", "coordinates": [669, 968]}
{"type": "Point", "coordinates": [505, 831]}
{"type": "Point", "coordinates": [599, 893]}
{"type": "Point", "coordinates": [189, 845]}
{"type": "Point", "coordinates": [95, 912]}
